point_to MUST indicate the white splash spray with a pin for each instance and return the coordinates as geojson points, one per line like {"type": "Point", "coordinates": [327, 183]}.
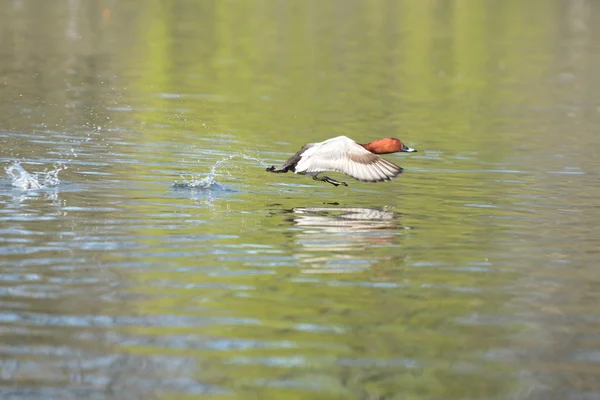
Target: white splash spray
{"type": "Point", "coordinates": [21, 179]}
{"type": "Point", "coordinates": [209, 182]}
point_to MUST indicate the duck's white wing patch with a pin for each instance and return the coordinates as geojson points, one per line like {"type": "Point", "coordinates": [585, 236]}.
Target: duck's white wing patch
{"type": "Point", "coordinates": [342, 154]}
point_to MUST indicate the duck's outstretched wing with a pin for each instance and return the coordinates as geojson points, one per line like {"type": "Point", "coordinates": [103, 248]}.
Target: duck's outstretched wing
{"type": "Point", "coordinates": [342, 154]}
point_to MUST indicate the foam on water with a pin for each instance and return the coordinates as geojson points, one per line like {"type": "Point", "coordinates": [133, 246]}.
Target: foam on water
{"type": "Point", "coordinates": [21, 179]}
{"type": "Point", "coordinates": [209, 182]}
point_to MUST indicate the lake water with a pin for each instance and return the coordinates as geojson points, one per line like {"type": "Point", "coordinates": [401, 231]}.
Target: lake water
{"type": "Point", "coordinates": [146, 254]}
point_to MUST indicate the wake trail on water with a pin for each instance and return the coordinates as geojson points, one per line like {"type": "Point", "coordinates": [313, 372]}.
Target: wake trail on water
{"type": "Point", "coordinates": [209, 182]}
{"type": "Point", "coordinates": [23, 180]}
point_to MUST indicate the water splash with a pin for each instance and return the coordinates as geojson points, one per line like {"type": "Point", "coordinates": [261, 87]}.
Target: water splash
{"type": "Point", "coordinates": [21, 179]}
{"type": "Point", "coordinates": [209, 182]}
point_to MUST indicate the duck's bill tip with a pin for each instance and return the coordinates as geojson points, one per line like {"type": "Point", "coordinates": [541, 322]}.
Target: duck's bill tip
{"type": "Point", "coordinates": [407, 149]}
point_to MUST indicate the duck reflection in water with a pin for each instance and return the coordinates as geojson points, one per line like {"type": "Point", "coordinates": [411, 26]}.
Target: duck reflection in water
{"type": "Point", "coordinates": [333, 239]}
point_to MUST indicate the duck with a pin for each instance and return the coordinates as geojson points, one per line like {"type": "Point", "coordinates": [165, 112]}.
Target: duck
{"type": "Point", "coordinates": [342, 154]}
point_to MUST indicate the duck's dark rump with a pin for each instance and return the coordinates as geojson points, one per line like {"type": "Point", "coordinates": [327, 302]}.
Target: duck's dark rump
{"type": "Point", "coordinates": [290, 164]}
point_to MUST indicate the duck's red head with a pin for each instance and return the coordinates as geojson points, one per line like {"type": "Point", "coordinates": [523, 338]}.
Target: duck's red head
{"type": "Point", "coordinates": [387, 145]}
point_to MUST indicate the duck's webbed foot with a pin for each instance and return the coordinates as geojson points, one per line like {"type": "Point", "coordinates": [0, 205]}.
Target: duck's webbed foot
{"type": "Point", "coordinates": [329, 180]}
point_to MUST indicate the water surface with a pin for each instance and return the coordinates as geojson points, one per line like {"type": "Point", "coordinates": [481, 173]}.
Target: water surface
{"type": "Point", "coordinates": [145, 253]}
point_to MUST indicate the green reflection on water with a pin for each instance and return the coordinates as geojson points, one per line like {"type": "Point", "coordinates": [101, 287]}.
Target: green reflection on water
{"type": "Point", "coordinates": [428, 72]}
{"type": "Point", "coordinates": [379, 310]}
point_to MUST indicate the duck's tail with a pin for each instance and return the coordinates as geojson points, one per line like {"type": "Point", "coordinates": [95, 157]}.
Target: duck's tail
{"type": "Point", "coordinates": [280, 170]}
